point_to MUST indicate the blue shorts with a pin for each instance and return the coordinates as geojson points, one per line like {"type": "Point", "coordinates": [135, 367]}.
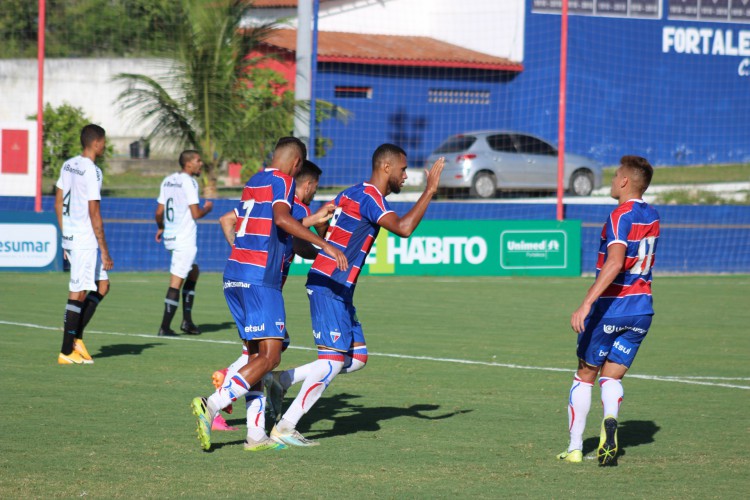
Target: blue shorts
{"type": "Point", "coordinates": [613, 339]}
{"type": "Point", "coordinates": [334, 322]}
{"type": "Point", "coordinates": [257, 310]}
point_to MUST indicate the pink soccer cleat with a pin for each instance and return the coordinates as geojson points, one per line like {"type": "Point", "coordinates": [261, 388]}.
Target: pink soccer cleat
{"type": "Point", "coordinates": [219, 424]}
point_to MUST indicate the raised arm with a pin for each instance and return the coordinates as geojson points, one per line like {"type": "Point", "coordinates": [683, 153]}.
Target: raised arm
{"type": "Point", "coordinates": [405, 226]}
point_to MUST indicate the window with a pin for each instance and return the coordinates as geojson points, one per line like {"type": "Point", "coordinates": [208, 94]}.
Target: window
{"type": "Point", "coordinates": [533, 146]}
{"type": "Point", "coordinates": [502, 143]}
{"type": "Point", "coordinates": [456, 144]}
{"type": "Point", "coordinates": [445, 96]}
{"type": "Point", "coordinates": [352, 92]}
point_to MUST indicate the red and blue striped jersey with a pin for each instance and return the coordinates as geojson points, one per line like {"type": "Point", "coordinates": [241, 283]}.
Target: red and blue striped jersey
{"type": "Point", "coordinates": [299, 212]}
{"type": "Point", "coordinates": [352, 229]}
{"type": "Point", "coordinates": [259, 246]}
{"type": "Point", "coordinates": [636, 225]}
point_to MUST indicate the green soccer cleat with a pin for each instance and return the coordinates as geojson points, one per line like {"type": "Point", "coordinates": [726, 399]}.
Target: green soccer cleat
{"type": "Point", "coordinates": [293, 438]}
{"type": "Point", "coordinates": [264, 444]}
{"type": "Point", "coordinates": [607, 451]}
{"type": "Point", "coordinates": [200, 410]}
{"type": "Point", "coordinates": [574, 456]}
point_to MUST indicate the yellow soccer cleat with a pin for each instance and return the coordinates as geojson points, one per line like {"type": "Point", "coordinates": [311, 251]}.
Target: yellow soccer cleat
{"type": "Point", "coordinates": [607, 451]}
{"type": "Point", "coordinates": [74, 358]}
{"type": "Point", "coordinates": [203, 416]}
{"type": "Point", "coordinates": [574, 456]}
{"type": "Point", "coordinates": [80, 348]}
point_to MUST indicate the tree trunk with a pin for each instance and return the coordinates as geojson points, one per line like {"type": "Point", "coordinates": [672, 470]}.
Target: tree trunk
{"type": "Point", "coordinates": [209, 182]}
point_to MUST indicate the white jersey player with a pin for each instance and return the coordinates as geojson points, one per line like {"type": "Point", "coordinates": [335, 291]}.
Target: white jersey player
{"type": "Point", "coordinates": [77, 201]}
{"type": "Point", "coordinates": [176, 213]}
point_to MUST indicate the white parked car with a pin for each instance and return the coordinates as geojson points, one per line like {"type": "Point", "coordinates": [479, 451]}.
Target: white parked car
{"type": "Point", "coordinates": [490, 160]}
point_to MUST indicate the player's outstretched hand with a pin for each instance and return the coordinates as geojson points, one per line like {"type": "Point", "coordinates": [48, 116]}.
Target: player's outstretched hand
{"type": "Point", "coordinates": [159, 232]}
{"type": "Point", "coordinates": [323, 214]}
{"type": "Point", "coordinates": [337, 254]}
{"type": "Point", "coordinates": [433, 175]}
{"type": "Point", "coordinates": [208, 205]}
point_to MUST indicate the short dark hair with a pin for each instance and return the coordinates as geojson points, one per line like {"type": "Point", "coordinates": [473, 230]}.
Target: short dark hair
{"type": "Point", "coordinates": [187, 156]}
{"type": "Point", "coordinates": [309, 170]}
{"type": "Point", "coordinates": [91, 133]}
{"type": "Point", "coordinates": [290, 142]}
{"type": "Point", "coordinates": [385, 151]}
{"type": "Point", "coordinates": [640, 170]}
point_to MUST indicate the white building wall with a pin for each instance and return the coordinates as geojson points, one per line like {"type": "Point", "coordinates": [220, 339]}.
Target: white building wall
{"type": "Point", "coordinates": [494, 27]}
{"type": "Point", "coordinates": [83, 83]}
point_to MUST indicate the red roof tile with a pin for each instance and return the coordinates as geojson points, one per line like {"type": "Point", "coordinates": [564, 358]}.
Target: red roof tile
{"type": "Point", "coordinates": [391, 50]}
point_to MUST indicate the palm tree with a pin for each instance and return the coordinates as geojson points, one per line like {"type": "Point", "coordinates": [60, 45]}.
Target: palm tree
{"type": "Point", "coordinates": [212, 96]}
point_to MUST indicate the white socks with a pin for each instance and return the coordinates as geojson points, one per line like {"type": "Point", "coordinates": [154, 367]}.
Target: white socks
{"type": "Point", "coordinates": [321, 373]}
{"type": "Point", "coordinates": [255, 403]}
{"type": "Point", "coordinates": [612, 393]}
{"type": "Point", "coordinates": [579, 404]}
{"type": "Point", "coordinates": [234, 387]}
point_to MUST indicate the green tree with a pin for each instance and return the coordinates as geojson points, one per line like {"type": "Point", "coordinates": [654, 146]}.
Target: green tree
{"type": "Point", "coordinates": [214, 98]}
{"type": "Point", "coordinates": [84, 28]}
{"type": "Point", "coordinates": [62, 137]}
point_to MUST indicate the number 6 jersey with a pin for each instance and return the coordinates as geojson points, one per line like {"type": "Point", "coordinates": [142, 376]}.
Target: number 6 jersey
{"type": "Point", "coordinates": [636, 225]}
{"type": "Point", "coordinates": [80, 181]}
{"type": "Point", "coordinates": [178, 191]}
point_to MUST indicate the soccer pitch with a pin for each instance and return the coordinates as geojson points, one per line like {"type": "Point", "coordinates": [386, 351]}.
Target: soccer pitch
{"type": "Point", "coordinates": [464, 395]}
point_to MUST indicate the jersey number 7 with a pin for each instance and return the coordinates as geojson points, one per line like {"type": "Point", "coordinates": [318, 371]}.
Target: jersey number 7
{"type": "Point", "coordinates": [247, 205]}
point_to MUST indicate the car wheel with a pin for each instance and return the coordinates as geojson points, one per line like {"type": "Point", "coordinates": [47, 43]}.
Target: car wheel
{"type": "Point", "coordinates": [483, 185]}
{"type": "Point", "coordinates": [582, 183]}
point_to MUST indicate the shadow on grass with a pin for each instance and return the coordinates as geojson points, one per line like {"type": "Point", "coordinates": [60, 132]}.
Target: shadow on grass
{"type": "Point", "coordinates": [630, 434]}
{"type": "Point", "coordinates": [217, 327]}
{"type": "Point", "coordinates": [349, 418]}
{"type": "Point", "coordinates": [107, 351]}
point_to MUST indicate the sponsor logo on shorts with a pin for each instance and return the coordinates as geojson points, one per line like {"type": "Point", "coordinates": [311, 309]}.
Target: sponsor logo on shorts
{"type": "Point", "coordinates": [317, 334]}
{"type": "Point", "coordinates": [236, 284]}
{"type": "Point", "coordinates": [617, 345]}
{"type": "Point", "coordinates": [75, 282]}
{"type": "Point", "coordinates": [255, 328]}
{"type": "Point", "coordinates": [609, 328]}
{"type": "Point", "coordinates": [335, 336]}
{"type": "Point", "coordinates": [173, 238]}
{"type": "Point", "coordinates": [603, 354]}
{"type": "Point", "coordinates": [67, 238]}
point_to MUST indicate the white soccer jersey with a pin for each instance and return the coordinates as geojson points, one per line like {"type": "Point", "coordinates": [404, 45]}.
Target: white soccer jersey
{"type": "Point", "coordinates": [179, 191]}
{"type": "Point", "coordinates": [80, 181]}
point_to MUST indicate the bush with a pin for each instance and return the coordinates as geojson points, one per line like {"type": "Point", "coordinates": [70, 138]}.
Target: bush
{"type": "Point", "coordinates": [62, 137]}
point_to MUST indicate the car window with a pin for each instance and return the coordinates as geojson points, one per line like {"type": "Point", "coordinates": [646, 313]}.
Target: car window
{"type": "Point", "coordinates": [534, 146]}
{"type": "Point", "coordinates": [502, 143]}
{"type": "Point", "coordinates": [456, 144]}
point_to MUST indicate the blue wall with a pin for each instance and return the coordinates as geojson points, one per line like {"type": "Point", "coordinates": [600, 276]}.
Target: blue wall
{"type": "Point", "coordinates": [694, 239]}
{"type": "Point", "coordinates": [625, 96]}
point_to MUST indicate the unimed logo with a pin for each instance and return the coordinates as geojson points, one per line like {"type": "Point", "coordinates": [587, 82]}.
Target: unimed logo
{"type": "Point", "coordinates": [528, 249]}
{"type": "Point", "coordinates": [27, 245]}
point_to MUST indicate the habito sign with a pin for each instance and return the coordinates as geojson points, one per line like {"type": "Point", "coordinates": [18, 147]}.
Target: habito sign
{"type": "Point", "coordinates": [477, 248]}
{"type": "Point", "coordinates": [29, 242]}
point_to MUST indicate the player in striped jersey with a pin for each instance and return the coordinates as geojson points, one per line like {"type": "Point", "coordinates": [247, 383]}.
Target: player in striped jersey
{"type": "Point", "coordinates": [360, 212]}
{"type": "Point", "coordinates": [253, 274]}
{"type": "Point", "coordinates": [306, 185]}
{"type": "Point", "coordinates": [616, 312]}
{"type": "Point", "coordinates": [77, 204]}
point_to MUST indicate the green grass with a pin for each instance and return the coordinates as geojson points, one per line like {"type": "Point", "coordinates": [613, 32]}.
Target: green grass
{"type": "Point", "coordinates": [405, 427]}
{"type": "Point", "coordinates": [698, 174]}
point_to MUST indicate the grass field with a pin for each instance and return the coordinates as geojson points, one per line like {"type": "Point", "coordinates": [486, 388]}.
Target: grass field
{"type": "Point", "coordinates": [464, 396]}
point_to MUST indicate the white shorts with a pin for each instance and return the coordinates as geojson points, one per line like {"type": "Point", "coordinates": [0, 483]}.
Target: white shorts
{"type": "Point", "coordinates": [182, 261]}
{"type": "Point", "coordinates": [86, 269]}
